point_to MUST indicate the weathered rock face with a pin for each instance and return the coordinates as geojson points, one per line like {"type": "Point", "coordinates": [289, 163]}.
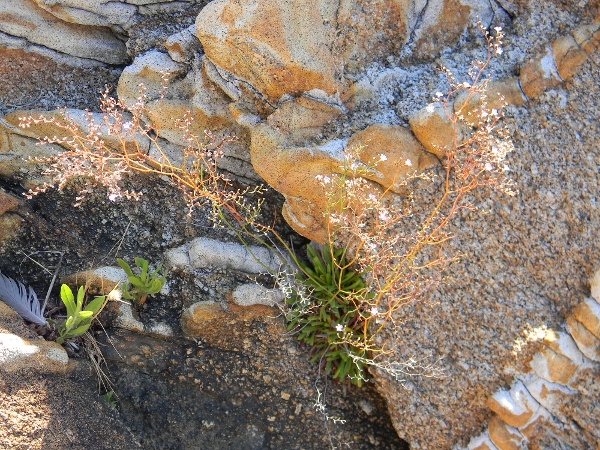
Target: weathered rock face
{"type": "Point", "coordinates": [23, 22]}
{"type": "Point", "coordinates": [281, 76]}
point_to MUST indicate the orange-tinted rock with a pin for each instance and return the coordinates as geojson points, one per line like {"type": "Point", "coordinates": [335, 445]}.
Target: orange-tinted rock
{"type": "Point", "coordinates": [515, 407]}
{"type": "Point", "coordinates": [568, 55]}
{"type": "Point", "coordinates": [588, 313]}
{"type": "Point", "coordinates": [503, 436]}
{"type": "Point", "coordinates": [279, 47]}
{"type": "Point", "coordinates": [433, 127]}
{"type": "Point", "coordinates": [393, 151]}
{"type": "Point", "coordinates": [587, 343]}
{"type": "Point", "coordinates": [539, 75]}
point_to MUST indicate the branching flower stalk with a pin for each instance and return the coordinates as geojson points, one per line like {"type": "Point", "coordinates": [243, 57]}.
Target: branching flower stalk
{"type": "Point", "coordinates": [399, 261]}
{"type": "Point", "coordinates": [102, 152]}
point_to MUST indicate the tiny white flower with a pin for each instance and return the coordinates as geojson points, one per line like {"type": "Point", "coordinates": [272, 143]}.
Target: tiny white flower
{"type": "Point", "coordinates": [127, 125]}
{"type": "Point", "coordinates": [408, 162]}
{"type": "Point", "coordinates": [494, 112]}
{"type": "Point", "coordinates": [382, 157]}
{"type": "Point", "coordinates": [498, 29]}
{"type": "Point", "coordinates": [372, 197]}
{"type": "Point", "coordinates": [339, 327]}
{"type": "Point", "coordinates": [430, 108]}
{"type": "Point", "coordinates": [499, 50]}
{"type": "Point", "coordinates": [113, 197]}
{"type": "Point", "coordinates": [488, 167]}
{"type": "Point", "coordinates": [374, 311]}
{"type": "Point", "coordinates": [438, 94]}
{"type": "Point", "coordinates": [383, 215]}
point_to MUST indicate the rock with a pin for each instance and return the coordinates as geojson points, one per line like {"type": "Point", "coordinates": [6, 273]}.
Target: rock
{"type": "Point", "coordinates": [444, 21]}
{"type": "Point", "coordinates": [120, 314]}
{"type": "Point", "coordinates": [434, 129]}
{"type": "Point", "coordinates": [99, 281]}
{"type": "Point", "coordinates": [278, 47]}
{"type": "Point", "coordinates": [481, 442]}
{"type": "Point", "coordinates": [183, 46]}
{"type": "Point", "coordinates": [44, 356]}
{"type": "Point", "coordinates": [505, 437]}
{"type": "Point", "coordinates": [18, 151]}
{"type": "Point", "coordinates": [205, 252]}
{"type": "Point", "coordinates": [393, 151]}
{"type": "Point", "coordinates": [587, 37]}
{"type": "Point", "coordinates": [568, 55]}
{"type": "Point", "coordinates": [549, 395]}
{"type": "Point", "coordinates": [119, 14]}
{"type": "Point", "coordinates": [10, 225]}
{"type": "Point", "coordinates": [60, 123]}
{"type": "Point", "coordinates": [587, 343]}
{"type": "Point", "coordinates": [8, 202]}
{"type": "Point", "coordinates": [202, 317]}
{"type": "Point", "coordinates": [149, 69]}
{"type": "Point", "coordinates": [539, 75]}
{"type": "Point", "coordinates": [303, 118]}
{"type": "Point", "coordinates": [553, 367]}
{"type": "Point", "coordinates": [595, 286]}
{"type": "Point", "coordinates": [588, 314]}
{"type": "Point", "coordinates": [498, 95]}
{"type": "Point", "coordinates": [255, 294]}
{"type": "Point", "coordinates": [26, 20]}
{"type": "Point", "coordinates": [516, 406]}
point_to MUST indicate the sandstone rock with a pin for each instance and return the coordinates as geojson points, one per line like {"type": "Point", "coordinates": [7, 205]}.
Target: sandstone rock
{"type": "Point", "coordinates": [498, 95]}
{"type": "Point", "coordinates": [205, 252]}
{"type": "Point", "coordinates": [278, 47]}
{"type": "Point", "coordinates": [553, 367]}
{"type": "Point", "coordinates": [39, 355]}
{"type": "Point", "coordinates": [481, 442]}
{"type": "Point", "coordinates": [588, 37]}
{"type": "Point", "coordinates": [585, 340]}
{"type": "Point", "coordinates": [58, 124]}
{"type": "Point", "coordinates": [434, 129]}
{"type": "Point", "coordinates": [9, 226]}
{"type": "Point", "coordinates": [563, 344]}
{"type": "Point", "coordinates": [505, 437]}
{"type": "Point", "coordinates": [516, 406]}
{"type": "Point", "coordinates": [568, 55]}
{"type": "Point", "coordinates": [18, 151]}
{"type": "Point", "coordinates": [549, 395]}
{"type": "Point", "coordinates": [595, 286]}
{"type": "Point", "coordinates": [255, 294]}
{"type": "Point", "coordinates": [99, 281]}
{"type": "Point", "coordinates": [588, 313]}
{"type": "Point", "coordinates": [303, 117]}
{"type": "Point", "coordinates": [183, 46]}
{"type": "Point", "coordinates": [539, 75]}
{"type": "Point", "coordinates": [369, 30]}
{"type": "Point", "coordinates": [444, 21]}
{"type": "Point", "coordinates": [393, 151]}
{"type": "Point", "coordinates": [8, 202]}
{"type": "Point", "coordinates": [201, 317]}
{"type": "Point", "coordinates": [149, 69]}
{"type": "Point", "coordinates": [25, 19]}
{"type": "Point", "coordinates": [92, 13]}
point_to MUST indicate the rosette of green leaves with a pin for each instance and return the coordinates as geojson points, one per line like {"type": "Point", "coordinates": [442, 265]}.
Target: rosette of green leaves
{"type": "Point", "coordinates": [79, 319]}
{"type": "Point", "coordinates": [332, 320]}
{"type": "Point", "coordinates": [147, 283]}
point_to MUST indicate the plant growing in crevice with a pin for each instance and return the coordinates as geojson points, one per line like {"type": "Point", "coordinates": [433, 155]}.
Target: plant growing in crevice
{"type": "Point", "coordinates": [325, 309]}
{"type": "Point", "coordinates": [397, 250]}
{"type": "Point", "coordinates": [79, 318]}
{"type": "Point", "coordinates": [146, 283]}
